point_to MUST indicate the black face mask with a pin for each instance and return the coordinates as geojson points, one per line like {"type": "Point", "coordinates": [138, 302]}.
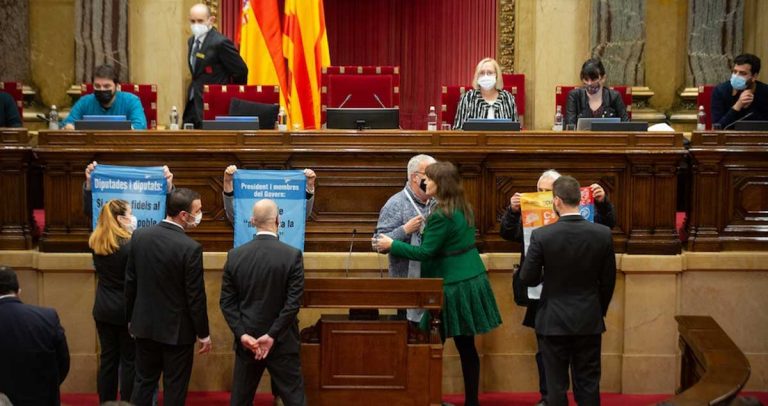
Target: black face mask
{"type": "Point", "coordinates": [103, 96]}
{"type": "Point", "coordinates": [423, 185]}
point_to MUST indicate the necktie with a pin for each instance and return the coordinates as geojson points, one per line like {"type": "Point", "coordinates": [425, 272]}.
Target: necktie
{"type": "Point", "coordinates": [193, 55]}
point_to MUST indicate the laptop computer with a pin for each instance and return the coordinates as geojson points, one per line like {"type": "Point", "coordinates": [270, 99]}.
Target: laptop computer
{"type": "Point", "coordinates": [232, 123]}
{"type": "Point", "coordinates": [621, 126]}
{"type": "Point", "coordinates": [751, 126]}
{"type": "Point", "coordinates": [585, 123]}
{"type": "Point", "coordinates": [103, 125]}
{"type": "Point", "coordinates": [488, 124]}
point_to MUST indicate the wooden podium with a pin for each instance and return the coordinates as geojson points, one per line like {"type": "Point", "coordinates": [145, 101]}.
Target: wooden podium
{"type": "Point", "coordinates": [375, 360]}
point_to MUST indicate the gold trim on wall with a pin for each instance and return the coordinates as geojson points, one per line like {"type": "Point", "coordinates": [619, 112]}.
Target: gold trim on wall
{"type": "Point", "coordinates": [506, 35]}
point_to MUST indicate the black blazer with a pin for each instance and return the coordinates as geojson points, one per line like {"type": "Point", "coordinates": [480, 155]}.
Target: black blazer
{"type": "Point", "coordinates": [34, 358]}
{"type": "Point", "coordinates": [575, 260]}
{"type": "Point", "coordinates": [218, 62]}
{"type": "Point", "coordinates": [164, 289]}
{"type": "Point", "coordinates": [577, 105]}
{"type": "Point", "coordinates": [9, 113]}
{"type": "Point", "coordinates": [109, 306]}
{"type": "Point", "coordinates": [261, 292]}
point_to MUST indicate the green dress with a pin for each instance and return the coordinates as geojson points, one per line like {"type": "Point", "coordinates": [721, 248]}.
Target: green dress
{"type": "Point", "coordinates": [448, 251]}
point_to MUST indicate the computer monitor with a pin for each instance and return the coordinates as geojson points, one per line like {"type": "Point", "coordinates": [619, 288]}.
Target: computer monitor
{"type": "Point", "coordinates": [363, 118]}
{"type": "Point", "coordinates": [623, 126]}
{"type": "Point", "coordinates": [751, 126]}
{"type": "Point", "coordinates": [232, 123]}
{"type": "Point", "coordinates": [102, 125]}
{"type": "Point", "coordinates": [490, 124]}
{"type": "Point", "coordinates": [585, 123]}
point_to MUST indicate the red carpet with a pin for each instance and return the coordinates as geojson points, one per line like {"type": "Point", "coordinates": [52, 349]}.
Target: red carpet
{"type": "Point", "coordinates": [486, 399]}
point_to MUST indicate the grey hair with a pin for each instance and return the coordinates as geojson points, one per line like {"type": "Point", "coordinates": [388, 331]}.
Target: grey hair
{"type": "Point", "coordinates": [550, 174]}
{"type": "Point", "coordinates": [413, 164]}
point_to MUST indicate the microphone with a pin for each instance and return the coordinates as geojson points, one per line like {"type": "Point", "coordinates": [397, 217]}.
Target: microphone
{"type": "Point", "coordinates": [739, 120]}
{"type": "Point", "coordinates": [346, 99]}
{"type": "Point", "coordinates": [349, 257]}
{"type": "Point", "coordinates": [375, 96]}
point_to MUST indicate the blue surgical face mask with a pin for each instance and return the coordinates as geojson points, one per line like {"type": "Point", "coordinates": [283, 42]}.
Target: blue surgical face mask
{"type": "Point", "coordinates": [738, 82]}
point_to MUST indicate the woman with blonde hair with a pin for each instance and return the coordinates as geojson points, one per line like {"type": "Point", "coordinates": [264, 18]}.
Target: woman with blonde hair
{"type": "Point", "coordinates": [110, 243]}
{"type": "Point", "coordinates": [487, 98]}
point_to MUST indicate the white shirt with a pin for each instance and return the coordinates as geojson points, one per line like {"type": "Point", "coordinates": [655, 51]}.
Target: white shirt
{"type": "Point", "coordinates": [267, 233]}
{"type": "Point", "coordinates": [8, 295]}
{"type": "Point", "coordinates": [174, 223]}
{"type": "Point", "coordinates": [491, 111]}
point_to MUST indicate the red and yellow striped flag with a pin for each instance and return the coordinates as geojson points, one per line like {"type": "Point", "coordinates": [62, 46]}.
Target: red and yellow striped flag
{"type": "Point", "coordinates": [261, 43]}
{"type": "Point", "coordinates": [305, 46]}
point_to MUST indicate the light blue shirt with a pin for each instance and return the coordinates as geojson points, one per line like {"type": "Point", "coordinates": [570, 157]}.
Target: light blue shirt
{"type": "Point", "coordinates": [125, 104]}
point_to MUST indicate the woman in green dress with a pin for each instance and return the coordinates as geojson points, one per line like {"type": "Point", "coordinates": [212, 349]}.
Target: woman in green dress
{"type": "Point", "coordinates": [448, 251]}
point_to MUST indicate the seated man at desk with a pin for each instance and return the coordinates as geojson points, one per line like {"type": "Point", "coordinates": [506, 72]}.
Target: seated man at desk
{"type": "Point", "coordinates": [106, 100]}
{"type": "Point", "coordinates": [743, 97]}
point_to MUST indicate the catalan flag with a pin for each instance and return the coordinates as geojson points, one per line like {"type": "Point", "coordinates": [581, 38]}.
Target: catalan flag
{"type": "Point", "coordinates": [261, 44]}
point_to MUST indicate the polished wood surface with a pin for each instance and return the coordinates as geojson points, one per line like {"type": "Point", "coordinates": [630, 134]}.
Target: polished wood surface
{"type": "Point", "coordinates": [383, 359]}
{"type": "Point", "coordinates": [14, 165]}
{"type": "Point", "coordinates": [358, 171]}
{"type": "Point", "coordinates": [713, 369]}
{"type": "Point", "coordinates": [730, 191]}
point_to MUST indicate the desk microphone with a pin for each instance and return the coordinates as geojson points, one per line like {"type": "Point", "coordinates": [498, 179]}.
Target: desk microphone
{"type": "Point", "coordinates": [346, 99]}
{"type": "Point", "coordinates": [739, 120]}
{"type": "Point", "coordinates": [375, 96]}
{"type": "Point", "coordinates": [349, 257]}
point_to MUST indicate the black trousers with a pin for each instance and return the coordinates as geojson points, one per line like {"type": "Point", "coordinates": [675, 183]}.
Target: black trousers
{"type": "Point", "coordinates": [175, 364]}
{"type": "Point", "coordinates": [284, 369]}
{"type": "Point", "coordinates": [540, 367]}
{"type": "Point", "coordinates": [582, 354]}
{"type": "Point", "coordinates": [190, 114]}
{"type": "Point", "coordinates": [470, 368]}
{"type": "Point", "coordinates": [116, 362]}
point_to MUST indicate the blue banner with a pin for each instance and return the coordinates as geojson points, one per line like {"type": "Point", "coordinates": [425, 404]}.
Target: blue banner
{"type": "Point", "coordinates": [144, 188]}
{"type": "Point", "coordinates": [286, 188]}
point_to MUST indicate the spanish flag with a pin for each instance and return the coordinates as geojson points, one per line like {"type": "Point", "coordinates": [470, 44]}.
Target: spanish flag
{"type": "Point", "coordinates": [261, 43]}
{"type": "Point", "coordinates": [305, 46]}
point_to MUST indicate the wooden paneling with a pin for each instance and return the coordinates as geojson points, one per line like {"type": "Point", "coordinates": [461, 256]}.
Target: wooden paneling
{"type": "Point", "coordinates": [730, 191]}
{"type": "Point", "coordinates": [15, 214]}
{"type": "Point", "coordinates": [357, 172]}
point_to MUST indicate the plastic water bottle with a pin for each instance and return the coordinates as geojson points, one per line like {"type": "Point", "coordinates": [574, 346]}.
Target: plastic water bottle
{"type": "Point", "coordinates": [701, 120]}
{"type": "Point", "coordinates": [432, 119]}
{"type": "Point", "coordinates": [558, 120]}
{"type": "Point", "coordinates": [53, 118]}
{"type": "Point", "coordinates": [282, 120]}
{"type": "Point", "coordinates": [174, 118]}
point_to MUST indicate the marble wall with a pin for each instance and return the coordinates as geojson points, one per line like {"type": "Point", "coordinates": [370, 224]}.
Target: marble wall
{"type": "Point", "coordinates": [618, 39]}
{"type": "Point", "coordinates": [101, 37]}
{"type": "Point", "coordinates": [715, 37]}
{"type": "Point", "coordinates": [14, 43]}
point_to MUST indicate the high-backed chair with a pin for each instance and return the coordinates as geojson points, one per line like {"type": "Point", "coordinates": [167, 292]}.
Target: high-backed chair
{"type": "Point", "coordinates": [360, 84]}
{"type": "Point", "coordinates": [216, 98]}
{"type": "Point", "coordinates": [147, 93]}
{"type": "Point", "coordinates": [14, 89]}
{"type": "Point", "coordinates": [704, 98]}
{"type": "Point", "coordinates": [561, 96]}
{"type": "Point", "coordinates": [513, 83]}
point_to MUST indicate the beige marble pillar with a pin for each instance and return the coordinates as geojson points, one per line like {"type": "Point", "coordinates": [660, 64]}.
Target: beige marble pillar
{"type": "Point", "coordinates": [52, 49]}
{"type": "Point", "coordinates": [756, 29]}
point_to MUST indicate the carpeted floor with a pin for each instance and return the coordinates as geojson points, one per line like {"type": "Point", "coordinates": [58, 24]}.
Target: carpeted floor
{"type": "Point", "coordinates": [486, 399]}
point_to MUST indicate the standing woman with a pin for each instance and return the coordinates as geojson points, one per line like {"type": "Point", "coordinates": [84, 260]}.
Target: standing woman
{"type": "Point", "coordinates": [448, 251]}
{"type": "Point", "coordinates": [110, 245]}
{"type": "Point", "coordinates": [594, 100]}
{"type": "Point", "coordinates": [487, 98]}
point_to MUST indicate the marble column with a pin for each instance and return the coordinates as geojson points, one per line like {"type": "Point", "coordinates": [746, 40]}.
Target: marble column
{"type": "Point", "coordinates": [101, 37]}
{"type": "Point", "coordinates": [14, 43]}
{"type": "Point", "coordinates": [715, 37]}
{"type": "Point", "coordinates": [618, 38]}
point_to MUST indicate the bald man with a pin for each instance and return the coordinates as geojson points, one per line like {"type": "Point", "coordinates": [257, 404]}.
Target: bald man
{"type": "Point", "coordinates": [260, 296]}
{"type": "Point", "coordinates": [212, 59]}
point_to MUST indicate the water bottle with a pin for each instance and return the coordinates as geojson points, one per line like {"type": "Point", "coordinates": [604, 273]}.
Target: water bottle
{"type": "Point", "coordinates": [432, 119]}
{"type": "Point", "coordinates": [174, 118]}
{"type": "Point", "coordinates": [701, 120]}
{"type": "Point", "coordinates": [282, 120]}
{"type": "Point", "coordinates": [558, 120]}
{"type": "Point", "coordinates": [53, 118]}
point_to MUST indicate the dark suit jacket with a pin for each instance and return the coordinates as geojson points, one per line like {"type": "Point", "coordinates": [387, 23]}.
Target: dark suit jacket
{"type": "Point", "coordinates": [9, 113]}
{"type": "Point", "coordinates": [109, 306]}
{"type": "Point", "coordinates": [723, 100]}
{"type": "Point", "coordinates": [261, 291]}
{"type": "Point", "coordinates": [577, 105]}
{"type": "Point", "coordinates": [34, 358]}
{"type": "Point", "coordinates": [575, 260]}
{"type": "Point", "coordinates": [220, 63]}
{"type": "Point", "coordinates": [164, 289]}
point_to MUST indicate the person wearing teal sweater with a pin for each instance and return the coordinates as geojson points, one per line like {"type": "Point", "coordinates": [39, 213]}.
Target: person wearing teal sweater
{"type": "Point", "coordinates": [448, 251]}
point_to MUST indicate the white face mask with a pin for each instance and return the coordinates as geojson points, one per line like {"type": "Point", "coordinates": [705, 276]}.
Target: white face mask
{"type": "Point", "coordinates": [199, 29]}
{"type": "Point", "coordinates": [133, 224]}
{"type": "Point", "coordinates": [198, 219]}
{"type": "Point", "coordinates": [487, 82]}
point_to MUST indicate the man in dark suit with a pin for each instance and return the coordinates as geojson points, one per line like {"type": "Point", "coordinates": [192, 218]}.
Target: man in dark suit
{"type": "Point", "coordinates": [213, 59]}
{"type": "Point", "coordinates": [575, 260]}
{"type": "Point", "coordinates": [260, 296]}
{"type": "Point", "coordinates": [34, 357]}
{"type": "Point", "coordinates": [165, 300]}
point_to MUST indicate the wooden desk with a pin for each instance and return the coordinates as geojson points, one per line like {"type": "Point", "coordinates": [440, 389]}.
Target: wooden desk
{"type": "Point", "coordinates": [15, 155]}
{"type": "Point", "coordinates": [730, 191]}
{"type": "Point", "coordinates": [346, 360]}
{"type": "Point", "coordinates": [359, 171]}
